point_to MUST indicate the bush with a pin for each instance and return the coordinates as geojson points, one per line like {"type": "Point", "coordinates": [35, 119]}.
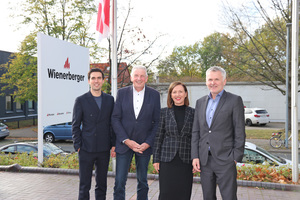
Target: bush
{"type": "Point", "coordinates": [262, 173]}
{"type": "Point", "coordinates": [266, 173]}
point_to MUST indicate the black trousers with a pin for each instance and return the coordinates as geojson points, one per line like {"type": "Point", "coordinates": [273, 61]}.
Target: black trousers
{"type": "Point", "coordinates": [87, 161]}
{"type": "Point", "coordinates": [175, 180]}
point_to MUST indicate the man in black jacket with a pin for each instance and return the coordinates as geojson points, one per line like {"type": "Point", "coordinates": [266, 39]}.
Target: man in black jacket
{"type": "Point", "coordinates": [92, 134]}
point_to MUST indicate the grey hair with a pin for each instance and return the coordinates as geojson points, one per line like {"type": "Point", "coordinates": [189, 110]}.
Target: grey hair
{"type": "Point", "coordinates": [216, 69]}
{"type": "Point", "coordinates": [138, 67]}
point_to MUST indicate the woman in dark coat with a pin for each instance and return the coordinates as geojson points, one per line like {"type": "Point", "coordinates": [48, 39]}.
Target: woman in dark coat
{"type": "Point", "coordinates": [172, 147]}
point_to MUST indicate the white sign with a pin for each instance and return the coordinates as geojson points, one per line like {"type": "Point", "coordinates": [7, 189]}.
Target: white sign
{"type": "Point", "coordinates": [62, 76]}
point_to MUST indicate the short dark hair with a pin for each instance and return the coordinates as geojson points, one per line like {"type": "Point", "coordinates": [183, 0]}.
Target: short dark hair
{"type": "Point", "coordinates": [95, 70]}
{"type": "Point", "coordinates": [170, 101]}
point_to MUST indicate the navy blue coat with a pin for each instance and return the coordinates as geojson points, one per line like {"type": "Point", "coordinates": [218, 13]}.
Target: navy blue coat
{"type": "Point", "coordinates": [96, 134]}
{"type": "Point", "coordinates": [126, 126]}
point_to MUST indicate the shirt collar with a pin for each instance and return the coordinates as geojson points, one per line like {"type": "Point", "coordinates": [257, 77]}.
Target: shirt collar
{"type": "Point", "coordinates": [136, 92]}
{"type": "Point", "coordinates": [218, 95]}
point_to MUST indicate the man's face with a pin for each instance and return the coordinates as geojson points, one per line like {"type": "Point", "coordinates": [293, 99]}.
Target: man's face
{"type": "Point", "coordinates": [139, 79]}
{"type": "Point", "coordinates": [96, 81]}
{"type": "Point", "coordinates": [215, 82]}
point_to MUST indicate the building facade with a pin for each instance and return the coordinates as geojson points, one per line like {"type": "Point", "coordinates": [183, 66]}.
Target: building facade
{"type": "Point", "coordinates": [9, 109]}
{"type": "Point", "coordinates": [254, 94]}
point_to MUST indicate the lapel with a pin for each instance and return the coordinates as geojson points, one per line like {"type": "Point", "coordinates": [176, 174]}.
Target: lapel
{"type": "Point", "coordinates": [220, 105]}
{"type": "Point", "coordinates": [186, 117]}
{"type": "Point", "coordinates": [130, 100]}
{"type": "Point", "coordinates": [204, 110]}
{"type": "Point", "coordinates": [173, 120]}
{"type": "Point", "coordinates": [93, 104]}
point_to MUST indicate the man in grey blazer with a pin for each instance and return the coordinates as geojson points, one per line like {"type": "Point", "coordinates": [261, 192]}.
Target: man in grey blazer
{"type": "Point", "coordinates": [218, 137]}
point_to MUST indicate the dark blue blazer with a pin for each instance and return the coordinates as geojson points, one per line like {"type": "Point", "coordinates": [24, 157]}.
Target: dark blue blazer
{"type": "Point", "coordinates": [96, 134]}
{"type": "Point", "coordinates": [126, 126]}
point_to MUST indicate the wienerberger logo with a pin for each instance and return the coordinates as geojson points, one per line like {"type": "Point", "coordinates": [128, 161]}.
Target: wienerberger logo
{"type": "Point", "coordinates": [60, 113]}
{"type": "Point", "coordinates": [67, 64]}
{"type": "Point", "coordinates": [50, 115]}
{"type": "Point", "coordinates": [66, 76]}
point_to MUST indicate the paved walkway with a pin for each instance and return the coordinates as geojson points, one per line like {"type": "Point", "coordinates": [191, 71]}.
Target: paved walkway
{"type": "Point", "coordinates": [45, 186]}
{"type": "Point", "coordinates": [37, 186]}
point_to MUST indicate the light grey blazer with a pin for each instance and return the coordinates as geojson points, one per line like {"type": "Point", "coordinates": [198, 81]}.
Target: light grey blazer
{"type": "Point", "coordinates": [226, 135]}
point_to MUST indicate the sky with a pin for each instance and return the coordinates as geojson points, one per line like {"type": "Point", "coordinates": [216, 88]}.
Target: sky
{"type": "Point", "coordinates": [182, 22]}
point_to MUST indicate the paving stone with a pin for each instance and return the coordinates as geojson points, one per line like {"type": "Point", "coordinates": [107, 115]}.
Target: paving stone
{"type": "Point", "coordinates": [48, 186]}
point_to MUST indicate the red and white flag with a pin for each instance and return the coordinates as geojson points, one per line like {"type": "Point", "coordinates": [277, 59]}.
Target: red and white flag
{"type": "Point", "coordinates": [103, 19]}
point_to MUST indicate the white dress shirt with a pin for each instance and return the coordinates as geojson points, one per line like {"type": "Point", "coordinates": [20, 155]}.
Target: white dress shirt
{"type": "Point", "coordinates": [138, 99]}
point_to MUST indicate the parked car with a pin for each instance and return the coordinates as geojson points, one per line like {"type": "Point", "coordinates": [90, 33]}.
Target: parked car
{"type": "Point", "coordinates": [21, 147]}
{"type": "Point", "coordinates": [258, 116]}
{"type": "Point", "coordinates": [61, 131]}
{"type": "Point", "coordinates": [256, 155]}
{"type": "Point", "coordinates": [4, 132]}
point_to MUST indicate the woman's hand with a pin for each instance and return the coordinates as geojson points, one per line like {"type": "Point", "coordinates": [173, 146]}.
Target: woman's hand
{"type": "Point", "coordinates": [156, 167]}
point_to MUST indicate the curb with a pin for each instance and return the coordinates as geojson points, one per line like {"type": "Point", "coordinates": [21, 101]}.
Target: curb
{"type": "Point", "coordinates": [265, 185]}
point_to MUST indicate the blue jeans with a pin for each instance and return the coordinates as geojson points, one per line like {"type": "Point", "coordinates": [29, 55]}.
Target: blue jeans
{"type": "Point", "coordinates": [122, 167]}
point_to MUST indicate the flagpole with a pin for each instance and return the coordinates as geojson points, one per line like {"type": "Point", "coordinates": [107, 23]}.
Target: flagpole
{"type": "Point", "coordinates": [294, 90]}
{"type": "Point", "coordinates": [114, 68]}
{"type": "Point", "coordinates": [114, 61]}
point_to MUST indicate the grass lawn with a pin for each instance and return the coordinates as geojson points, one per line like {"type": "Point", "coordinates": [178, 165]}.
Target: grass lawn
{"type": "Point", "coordinates": [262, 133]}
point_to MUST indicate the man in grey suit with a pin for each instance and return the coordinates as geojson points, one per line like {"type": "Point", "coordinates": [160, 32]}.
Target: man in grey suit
{"type": "Point", "coordinates": [218, 137]}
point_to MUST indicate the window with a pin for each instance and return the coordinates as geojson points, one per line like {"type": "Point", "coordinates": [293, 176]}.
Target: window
{"type": "Point", "coordinates": [8, 103]}
{"type": "Point", "coordinates": [252, 157]}
{"type": "Point", "coordinates": [10, 149]}
{"type": "Point", "coordinates": [30, 105]}
{"type": "Point", "coordinates": [19, 106]}
{"type": "Point", "coordinates": [26, 149]}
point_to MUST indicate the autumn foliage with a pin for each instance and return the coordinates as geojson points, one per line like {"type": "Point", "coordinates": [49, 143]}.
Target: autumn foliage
{"type": "Point", "coordinates": [266, 173]}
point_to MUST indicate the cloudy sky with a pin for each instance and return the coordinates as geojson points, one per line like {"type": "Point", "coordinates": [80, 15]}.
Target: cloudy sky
{"type": "Point", "coordinates": [183, 22]}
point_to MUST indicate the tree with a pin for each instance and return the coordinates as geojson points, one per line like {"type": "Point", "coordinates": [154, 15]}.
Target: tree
{"type": "Point", "coordinates": [133, 45]}
{"type": "Point", "coordinates": [193, 61]}
{"type": "Point", "coordinates": [183, 62]}
{"type": "Point", "coordinates": [68, 20]}
{"type": "Point", "coordinates": [260, 53]}
{"type": "Point", "coordinates": [214, 50]}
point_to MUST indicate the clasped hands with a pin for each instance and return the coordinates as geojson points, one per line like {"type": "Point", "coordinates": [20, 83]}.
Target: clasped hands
{"type": "Point", "coordinates": [139, 148]}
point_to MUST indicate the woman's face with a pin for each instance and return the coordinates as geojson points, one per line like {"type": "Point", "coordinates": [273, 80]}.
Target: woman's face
{"type": "Point", "coordinates": [178, 95]}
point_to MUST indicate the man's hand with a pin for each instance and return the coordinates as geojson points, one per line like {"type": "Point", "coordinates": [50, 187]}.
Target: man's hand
{"type": "Point", "coordinates": [156, 167]}
{"type": "Point", "coordinates": [113, 152]}
{"type": "Point", "coordinates": [133, 145]}
{"type": "Point", "coordinates": [144, 146]}
{"type": "Point", "coordinates": [196, 165]}
{"type": "Point", "coordinates": [78, 150]}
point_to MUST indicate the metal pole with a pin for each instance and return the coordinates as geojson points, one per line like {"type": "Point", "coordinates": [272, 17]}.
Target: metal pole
{"type": "Point", "coordinates": [294, 90]}
{"type": "Point", "coordinates": [288, 25]}
{"type": "Point", "coordinates": [114, 67]}
{"type": "Point", "coordinates": [40, 91]}
{"type": "Point", "coordinates": [114, 70]}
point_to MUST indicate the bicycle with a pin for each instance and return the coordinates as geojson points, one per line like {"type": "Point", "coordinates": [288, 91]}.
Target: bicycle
{"type": "Point", "coordinates": [276, 141]}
